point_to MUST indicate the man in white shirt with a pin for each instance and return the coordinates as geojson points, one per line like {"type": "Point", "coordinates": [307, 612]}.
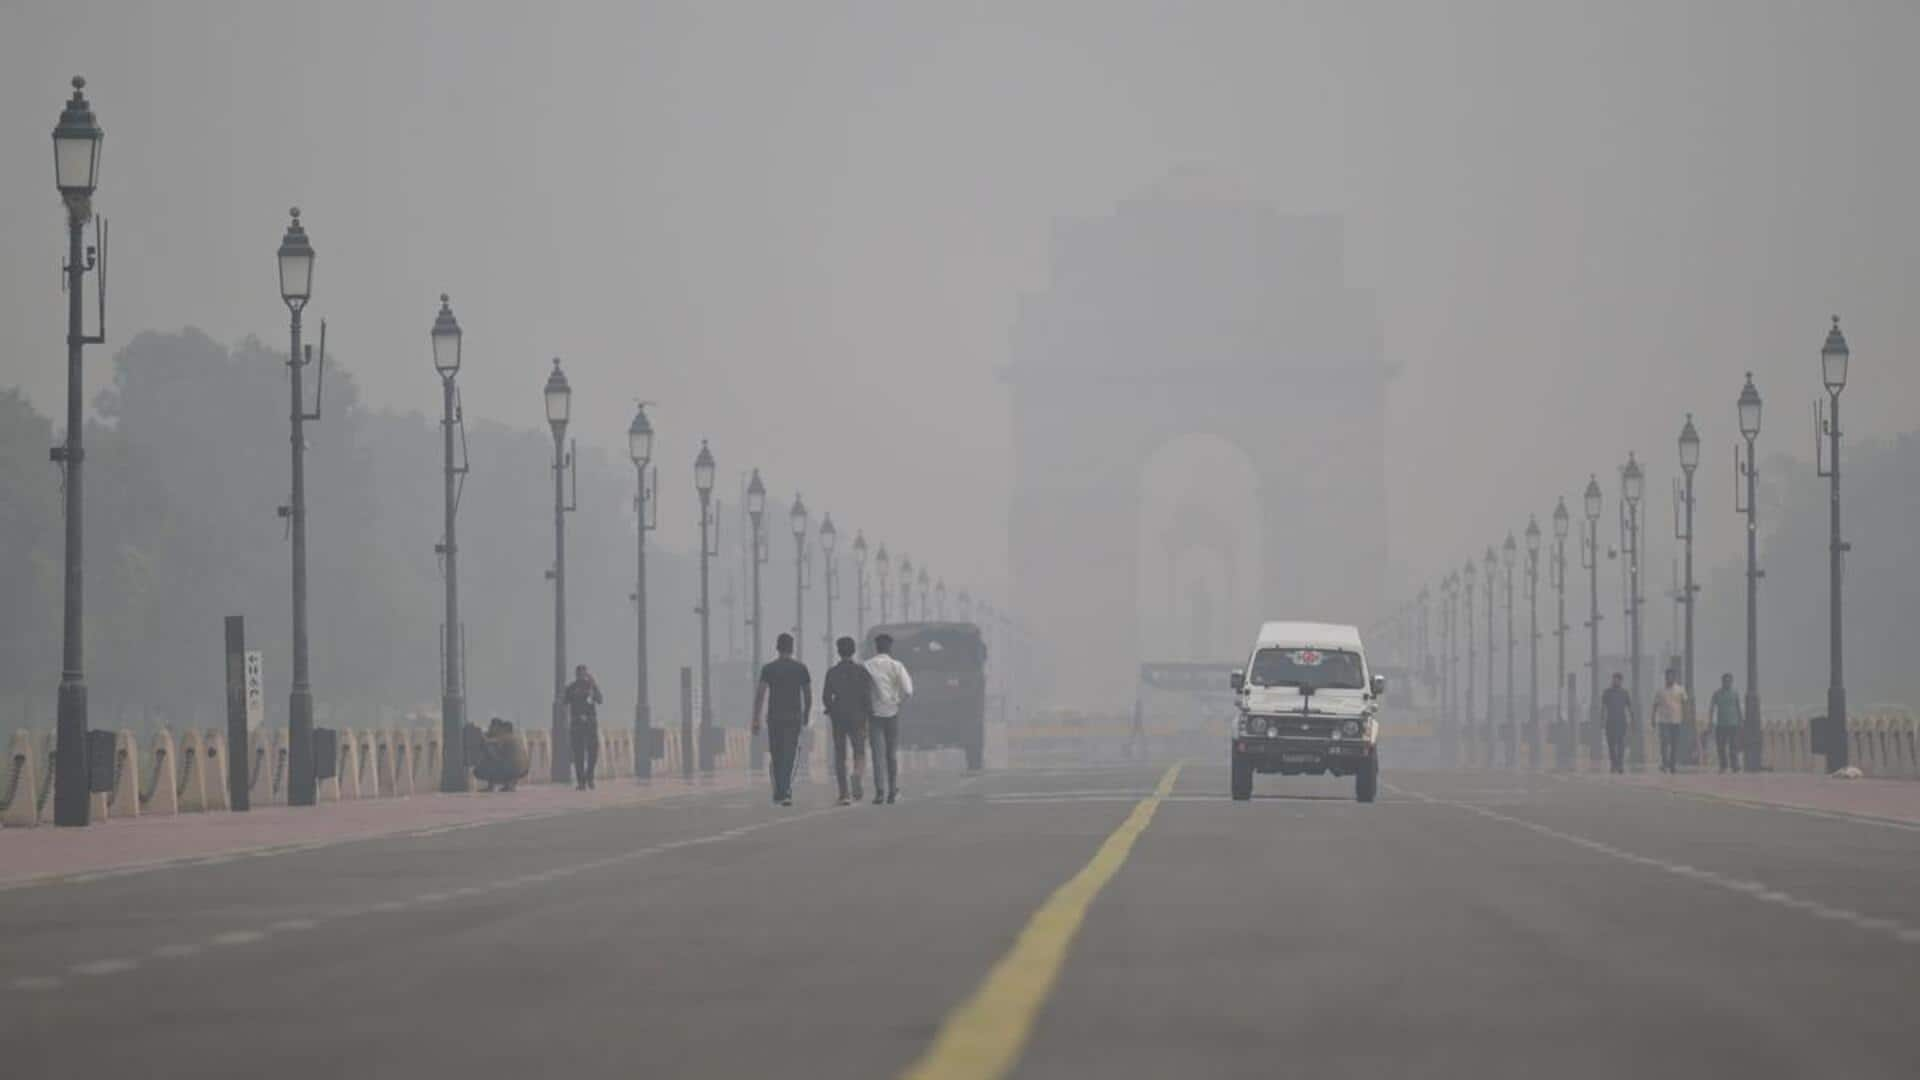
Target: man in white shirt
{"type": "Point", "coordinates": [1669, 711]}
{"type": "Point", "coordinates": [891, 687]}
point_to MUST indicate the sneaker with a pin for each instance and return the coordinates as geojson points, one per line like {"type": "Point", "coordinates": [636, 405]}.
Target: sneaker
{"type": "Point", "coordinates": [844, 801]}
{"type": "Point", "coordinates": [878, 798]}
{"type": "Point", "coordinates": [892, 795]}
{"type": "Point", "coordinates": [788, 801]}
{"type": "Point", "coordinates": [857, 793]}
{"type": "Point", "coordinates": [579, 785]}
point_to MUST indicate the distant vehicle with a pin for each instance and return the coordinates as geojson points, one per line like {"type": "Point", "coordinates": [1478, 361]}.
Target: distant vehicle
{"type": "Point", "coordinates": [1307, 706]}
{"type": "Point", "coordinates": [948, 662]}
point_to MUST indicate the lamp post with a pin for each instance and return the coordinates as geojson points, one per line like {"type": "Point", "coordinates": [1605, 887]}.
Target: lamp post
{"type": "Point", "coordinates": [829, 537]}
{"type": "Point", "coordinates": [1565, 739]}
{"type": "Point", "coordinates": [906, 590]}
{"type": "Point", "coordinates": [1833, 372]}
{"type": "Point", "coordinates": [798, 518]}
{"type": "Point", "coordinates": [859, 585]}
{"type": "Point", "coordinates": [1449, 599]}
{"type": "Point", "coordinates": [882, 568]}
{"type": "Point", "coordinates": [940, 599]}
{"type": "Point", "coordinates": [1746, 469]}
{"type": "Point", "coordinates": [709, 540]}
{"type": "Point", "coordinates": [646, 481]}
{"type": "Point", "coordinates": [559, 403]}
{"type": "Point", "coordinates": [296, 288]}
{"type": "Point", "coordinates": [1535, 748]}
{"type": "Point", "coordinates": [1492, 564]}
{"type": "Point", "coordinates": [446, 338]}
{"type": "Point", "coordinates": [924, 580]}
{"type": "Point", "coordinates": [1683, 521]}
{"type": "Point", "coordinates": [76, 173]}
{"type": "Point", "coordinates": [1423, 647]}
{"type": "Point", "coordinates": [1590, 562]}
{"type": "Point", "coordinates": [1632, 485]}
{"type": "Point", "coordinates": [756, 521]}
{"type": "Point", "coordinates": [1507, 557]}
{"type": "Point", "coordinates": [1467, 575]}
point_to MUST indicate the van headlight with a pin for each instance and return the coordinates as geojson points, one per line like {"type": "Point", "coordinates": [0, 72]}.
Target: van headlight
{"type": "Point", "coordinates": [1254, 725]}
{"type": "Point", "coordinates": [1352, 728]}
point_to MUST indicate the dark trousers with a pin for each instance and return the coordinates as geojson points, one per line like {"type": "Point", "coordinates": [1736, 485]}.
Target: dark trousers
{"type": "Point", "coordinates": [584, 735]}
{"type": "Point", "coordinates": [851, 731]}
{"type": "Point", "coordinates": [1726, 744]}
{"type": "Point", "coordinates": [783, 742]}
{"type": "Point", "coordinates": [885, 733]}
{"type": "Point", "coordinates": [1617, 745]}
{"type": "Point", "coordinates": [1669, 747]}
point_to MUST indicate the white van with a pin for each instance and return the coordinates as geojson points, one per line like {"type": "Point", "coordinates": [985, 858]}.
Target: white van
{"type": "Point", "coordinates": [1306, 704]}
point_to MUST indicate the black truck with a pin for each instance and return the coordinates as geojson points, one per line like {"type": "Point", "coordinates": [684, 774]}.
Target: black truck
{"type": "Point", "coordinates": [948, 663]}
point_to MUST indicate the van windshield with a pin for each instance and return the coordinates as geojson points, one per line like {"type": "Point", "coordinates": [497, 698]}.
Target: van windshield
{"type": "Point", "coordinates": [1313, 669]}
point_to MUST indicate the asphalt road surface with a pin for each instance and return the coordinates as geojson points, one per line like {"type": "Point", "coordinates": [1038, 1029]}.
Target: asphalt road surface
{"type": "Point", "coordinates": [1120, 922]}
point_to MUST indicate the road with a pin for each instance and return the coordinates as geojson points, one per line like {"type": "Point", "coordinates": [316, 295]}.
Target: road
{"type": "Point", "coordinates": [1467, 924]}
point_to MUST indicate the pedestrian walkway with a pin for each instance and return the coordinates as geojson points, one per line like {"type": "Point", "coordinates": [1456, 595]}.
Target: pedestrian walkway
{"type": "Point", "coordinates": [50, 855]}
{"type": "Point", "coordinates": [1888, 800]}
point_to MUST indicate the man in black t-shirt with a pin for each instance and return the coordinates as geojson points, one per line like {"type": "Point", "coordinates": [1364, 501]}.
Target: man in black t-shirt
{"type": "Point", "coordinates": [784, 700]}
{"type": "Point", "coordinates": [1616, 711]}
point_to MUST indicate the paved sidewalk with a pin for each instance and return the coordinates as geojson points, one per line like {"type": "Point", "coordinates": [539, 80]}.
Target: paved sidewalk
{"type": "Point", "coordinates": [1889, 800]}
{"type": "Point", "coordinates": [46, 854]}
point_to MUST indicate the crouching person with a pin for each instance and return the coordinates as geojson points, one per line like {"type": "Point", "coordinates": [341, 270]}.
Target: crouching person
{"type": "Point", "coordinates": [502, 761]}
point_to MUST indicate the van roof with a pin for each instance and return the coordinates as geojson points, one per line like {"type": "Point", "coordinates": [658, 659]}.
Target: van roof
{"type": "Point", "coordinates": [1309, 635]}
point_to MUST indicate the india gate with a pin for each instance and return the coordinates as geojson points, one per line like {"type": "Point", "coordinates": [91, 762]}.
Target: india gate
{"type": "Point", "coordinates": [1175, 333]}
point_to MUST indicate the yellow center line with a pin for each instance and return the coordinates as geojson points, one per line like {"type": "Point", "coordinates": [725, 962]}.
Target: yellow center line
{"type": "Point", "coordinates": [982, 1039]}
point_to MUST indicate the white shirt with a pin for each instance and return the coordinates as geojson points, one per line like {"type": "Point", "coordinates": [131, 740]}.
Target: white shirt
{"type": "Point", "coordinates": [891, 685]}
{"type": "Point", "coordinates": [1669, 704]}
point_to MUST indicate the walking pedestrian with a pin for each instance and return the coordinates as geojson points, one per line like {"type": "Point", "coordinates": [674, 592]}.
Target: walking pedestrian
{"type": "Point", "coordinates": [1616, 709]}
{"type": "Point", "coordinates": [892, 686]}
{"type": "Point", "coordinates": [584, 699]}
{"type": "Point", "coordinates": [1669, 709]}
{"type": "Point", "coordinates": [1725, 709]}
{"type": "Point", "coordinates": [784, 701]}
{"type": "Point", "coordinates": [847, 696]}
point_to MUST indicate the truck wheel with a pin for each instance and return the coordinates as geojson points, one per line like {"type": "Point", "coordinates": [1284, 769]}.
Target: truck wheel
{"type": "Point", "coordinates": [1242, 779]}
{"type": "Point", "coordinates": [1366, 782]}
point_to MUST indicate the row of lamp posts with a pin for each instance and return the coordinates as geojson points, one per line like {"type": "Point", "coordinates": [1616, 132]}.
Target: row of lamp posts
{"type": "Point", "coordinates": [1457, 594]}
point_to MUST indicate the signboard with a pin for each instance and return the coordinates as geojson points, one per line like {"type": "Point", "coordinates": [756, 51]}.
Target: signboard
{"type": "Point", "coordinates": [256, 690]}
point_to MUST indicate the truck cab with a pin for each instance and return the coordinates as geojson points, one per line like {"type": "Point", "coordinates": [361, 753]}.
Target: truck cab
{"type": "Point", "coordinates": [1307, 704]}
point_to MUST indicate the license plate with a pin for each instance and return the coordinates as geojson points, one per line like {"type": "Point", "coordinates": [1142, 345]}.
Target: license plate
{"type": "Point", "coordinates": [1300, 759]}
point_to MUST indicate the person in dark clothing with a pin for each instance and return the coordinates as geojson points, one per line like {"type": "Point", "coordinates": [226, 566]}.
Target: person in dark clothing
{"type": "Point", "coordinates": [847, 696]}
{"type": "Point", "coordinates": [1616, 709]}
{"type": "Point", "coordinates": [784, 701]}
{"type": "Point", "coordinates": [1725, 710]}
{"type": "Point", "coordinates": [584, 699]}
{"type": "Point", "coordinates": [502, 760]}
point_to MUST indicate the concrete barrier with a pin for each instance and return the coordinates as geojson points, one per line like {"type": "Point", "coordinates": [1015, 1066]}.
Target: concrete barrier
{"type": "Point", "coordinates": [218, 798]}
{"type": "Point", "coordinates": [162, 796]}
{"type": "Point", "coordinates": [267, 768]}
{"type": "Point", "coordinates": [124, 800]}
{"type": "Point", "coordinates": [20, 784]}
{"type": "Point", "coordinates": [192, 776]}
{"type": "Point", "coordinates": [390, 762]}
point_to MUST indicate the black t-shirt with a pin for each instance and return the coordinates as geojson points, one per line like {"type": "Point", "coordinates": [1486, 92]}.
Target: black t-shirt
{"type": "Point", "coordinates": [786, 680]}
{"type": "Point", "coordinates": [1616, 704]}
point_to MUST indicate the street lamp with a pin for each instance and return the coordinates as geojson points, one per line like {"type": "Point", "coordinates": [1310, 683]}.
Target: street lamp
{"type": "Point", "coordinates": [882, 567]}
{"type": "Point", "coordinates": [709, 542]}
{"type": "Point", "coordinates": [859, 585]}
{"type": "Point", "coordinates": [1834, 356]}
{"type": "Point", "coordinates": [1448, 600]}
{"type": "Point", "coordinates": [906, 590]}
{"type": "Point", "coordinates": [446, 338]}
{"type": "Point", "coordinates": [1492, 564]}
{"type": "Point", "coordinates": [1534, 744]}
{"type": "Point", "coordinates": [1467, 575]}
{"type": "Point", "coordinates": [558, 395]}
{"type": "Point", "coordinates": [645, 512]}
{"type": "Point", "coordinates": [829, 537]}
{"type": "Point", "coordinates": [296, 288]}
{"type": "Point", "coordinates": [1564, 739]}
{"type": "Point", "coordinates": [1745, 468]}
{"type": "Point", "coordinates": [1683, 528]}
{"type": "Point", "coordinates": [1508, 552]}
{"type": "Point", "coordinates": [756, 522]}
{"type": "Point", "coordinates": [76, 172]}
{"type": "Point", "coordinates": [798, 518]}
{"type": "Point", "coordinates": [1632, 486]}
{"type": "Point", "coordinates": [940, 599]}
{"type": "Point", "coordinates": [924, 580]}
{"type": "Point", "coordinates": [1590, 562]}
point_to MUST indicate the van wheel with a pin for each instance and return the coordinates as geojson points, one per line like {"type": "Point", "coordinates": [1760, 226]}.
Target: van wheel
{"type": "Point", "coordinates": [1242, 779]}
{"type": "Point", "coordinates": [1366, 782]}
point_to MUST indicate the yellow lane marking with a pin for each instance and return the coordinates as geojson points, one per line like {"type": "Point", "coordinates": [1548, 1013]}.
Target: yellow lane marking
{"type": "Point", "coordinates": [982, 1039]}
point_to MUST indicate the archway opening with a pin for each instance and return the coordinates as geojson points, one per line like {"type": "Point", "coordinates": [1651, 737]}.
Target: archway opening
{"type": "Point", "coordinates": [1200, 560]}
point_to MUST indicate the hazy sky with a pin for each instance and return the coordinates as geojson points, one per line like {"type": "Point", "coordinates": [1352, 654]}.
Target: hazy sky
{"type": "Point", "coordinates": [802, 229]}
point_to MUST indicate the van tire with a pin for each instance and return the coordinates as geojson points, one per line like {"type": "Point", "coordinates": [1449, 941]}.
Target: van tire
{"type": "Point", "coordinates": [1242, 779]}
{"type": "Point", "coordinates": [1366, 782]}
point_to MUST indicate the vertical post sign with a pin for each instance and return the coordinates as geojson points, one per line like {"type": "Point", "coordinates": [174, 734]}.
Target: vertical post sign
{"type": "Point", "coordinates": [240, 687]}
{"type": "Point", "coordinates": [256, 689]}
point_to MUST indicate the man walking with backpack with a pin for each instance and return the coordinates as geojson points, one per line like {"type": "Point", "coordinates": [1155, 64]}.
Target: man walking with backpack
{"type": "Point", "coordinates": [891, 686]}
{"type": "Point", "coordinates": [847, 697]}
